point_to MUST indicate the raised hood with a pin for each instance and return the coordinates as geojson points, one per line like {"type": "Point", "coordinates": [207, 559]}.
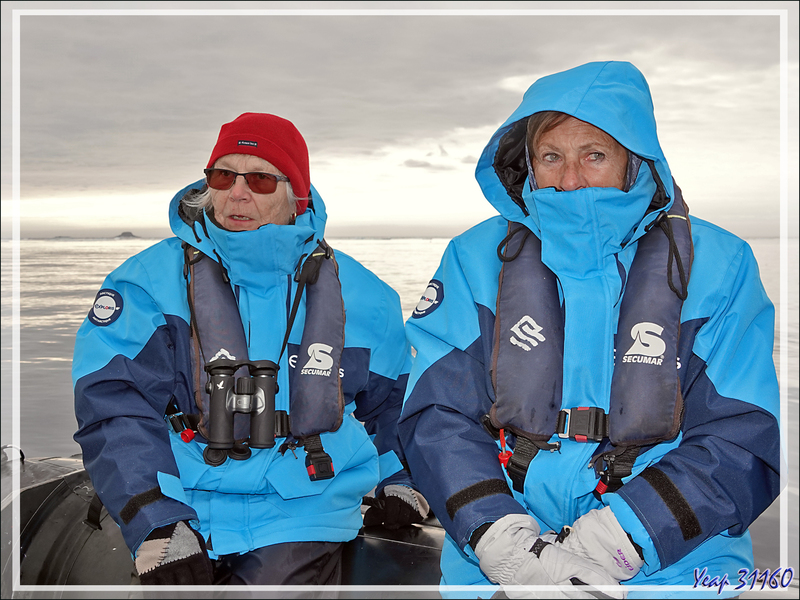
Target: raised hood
{"type": "Point", "coordinates": [612, 96]}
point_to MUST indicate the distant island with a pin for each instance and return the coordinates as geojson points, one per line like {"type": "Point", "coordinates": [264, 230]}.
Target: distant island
{"type": "Point", "coordinates": [126, 235]}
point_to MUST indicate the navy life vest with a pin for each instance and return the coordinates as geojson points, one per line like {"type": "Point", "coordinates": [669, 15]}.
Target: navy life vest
{"type": "Point", "coordinates": [316, 397]}
{"type": "Point", "coordinates": [646, 405]}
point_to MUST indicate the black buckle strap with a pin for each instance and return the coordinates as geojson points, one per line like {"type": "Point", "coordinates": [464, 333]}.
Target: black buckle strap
{"type": "Point", "coordinates": [182, 424]}
{"type": "Point", "coordinates": [318, 463]}
{"type": "Point", "coordinates": [517, 466]}
{"type": "Point", "coordinates": [524, 452]}
{"type": "Point", "coordinates": [178, 422]}
{"type": "Point", "coordinates": [619, 464]}
{"type": "Point", "coordinates": [582, 424]}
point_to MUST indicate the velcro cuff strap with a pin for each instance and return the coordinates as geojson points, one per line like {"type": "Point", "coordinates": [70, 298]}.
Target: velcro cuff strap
{"type": "Point", "coordinates": [482, 489]}
{"type": "Point", "coordinates": [139, 501]}
{"type": "Point", "coordinates": [675, 501]}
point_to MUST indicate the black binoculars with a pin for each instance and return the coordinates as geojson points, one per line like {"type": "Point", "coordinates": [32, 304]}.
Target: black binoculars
{"type": "Point", "coordinates": [253, 395]}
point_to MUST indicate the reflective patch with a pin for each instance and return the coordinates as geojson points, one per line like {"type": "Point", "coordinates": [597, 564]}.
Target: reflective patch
{"type": "Point", "coordinates": [107, 308]}
{"type": "Point", "coordinates": [430, 300]}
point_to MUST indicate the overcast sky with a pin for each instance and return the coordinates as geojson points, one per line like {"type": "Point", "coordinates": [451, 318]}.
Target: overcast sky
{"type": "Point", "coordinates": [119, 111]}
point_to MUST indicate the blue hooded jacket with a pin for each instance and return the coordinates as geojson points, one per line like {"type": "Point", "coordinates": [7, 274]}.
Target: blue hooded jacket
{"type": "Point", "coordinates": [133, 355]}
{"type": "Point", "coordinates": [722, 469]}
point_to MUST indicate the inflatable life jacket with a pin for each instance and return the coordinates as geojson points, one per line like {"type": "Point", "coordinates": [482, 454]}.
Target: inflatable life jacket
{"type": "Point", "coordinates": [217, 336]}
{"type": "Point", "coordinates": [646, 405]}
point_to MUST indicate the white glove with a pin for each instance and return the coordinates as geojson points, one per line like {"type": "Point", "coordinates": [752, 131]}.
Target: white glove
{"type": "Point", "coordinates": [512, 553]}
{"type": "Point", "coordinates": [598, 537]}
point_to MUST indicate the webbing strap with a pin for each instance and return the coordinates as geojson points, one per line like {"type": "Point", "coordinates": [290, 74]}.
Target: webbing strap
{"type": "Point", "coordinates": [93, 515]}
{"type": "Point", "coordinates": [619, 464]}
{"type": "Point", "coordinates": [517, 466]}
{"type": "Point", "coordinates": [308, 273]}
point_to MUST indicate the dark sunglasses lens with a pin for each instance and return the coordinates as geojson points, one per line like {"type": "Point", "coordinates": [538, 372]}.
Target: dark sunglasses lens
{"type": "Point", "coordinates": [220, 179]}
{"type": "Point", "coordinates": [262, 183]}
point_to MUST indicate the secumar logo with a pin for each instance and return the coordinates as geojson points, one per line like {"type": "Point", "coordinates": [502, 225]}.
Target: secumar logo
{"type": "Point", "coordinates": [431, 299]}
{"type": "Point", "coordinates": [648, 347]}
{"type": "Point", "coordinates": [107, 308]}
{"type": "Point", "coordinates": [320, 361]}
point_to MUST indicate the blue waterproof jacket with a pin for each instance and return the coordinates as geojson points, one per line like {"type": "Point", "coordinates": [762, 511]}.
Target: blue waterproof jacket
{"type": "Point", "coordinates": [132, 356]}
{"type": "Point", "coordinates": [722, 469]}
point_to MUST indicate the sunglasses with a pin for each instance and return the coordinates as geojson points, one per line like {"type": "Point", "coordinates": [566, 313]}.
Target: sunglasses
{"type": "Point", "coordinates": [260, 183]}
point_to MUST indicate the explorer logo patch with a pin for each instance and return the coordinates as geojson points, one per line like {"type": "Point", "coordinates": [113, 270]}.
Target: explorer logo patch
{"type": "Point", "coordinates": [431, 299]}
{"type": "Point", "coordinates": [248, 143]}
{"type": "Point", "coordinates": [526, 331]}
{"type": "Point", "coordinates": [106, 309]}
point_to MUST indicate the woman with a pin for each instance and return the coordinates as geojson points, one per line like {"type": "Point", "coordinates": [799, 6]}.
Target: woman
{"type": "Point", "coordinates": [622, 349]}
{"type": "Point", "coordinates": [220, 391]}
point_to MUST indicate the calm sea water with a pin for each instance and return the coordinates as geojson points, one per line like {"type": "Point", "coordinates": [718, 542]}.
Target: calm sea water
{"type": "Point", "coordinates": [59, 279]}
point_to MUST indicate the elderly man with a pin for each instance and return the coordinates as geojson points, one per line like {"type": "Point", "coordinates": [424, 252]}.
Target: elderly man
{"type": "Point", "coordinates": [620, 348]}
{"type": "Point", "coordinates": [231, 418]}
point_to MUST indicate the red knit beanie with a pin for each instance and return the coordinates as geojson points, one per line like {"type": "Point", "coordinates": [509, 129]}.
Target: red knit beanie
{"type": "Point", "coordinates": [272, 138]}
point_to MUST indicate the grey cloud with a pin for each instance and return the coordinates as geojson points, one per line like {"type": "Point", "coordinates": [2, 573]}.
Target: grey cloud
{"type": "Point", "coordinates": [123, 95]}
{"type": "Point", "coordinates": [423, 164]}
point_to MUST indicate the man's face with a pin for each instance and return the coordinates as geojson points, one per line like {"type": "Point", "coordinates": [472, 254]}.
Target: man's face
{"type": "Point", "coordinates": [575, 155]}
{"type": "Point", "coordinates": [241, 209]}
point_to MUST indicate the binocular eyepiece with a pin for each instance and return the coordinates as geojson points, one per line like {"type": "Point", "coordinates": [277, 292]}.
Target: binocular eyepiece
{"type": "Point", "coordinates": [253, 395]}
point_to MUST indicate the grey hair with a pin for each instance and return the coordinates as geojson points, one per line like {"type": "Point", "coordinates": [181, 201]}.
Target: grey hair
{"type": "Point", "coordinates": [202, 199]}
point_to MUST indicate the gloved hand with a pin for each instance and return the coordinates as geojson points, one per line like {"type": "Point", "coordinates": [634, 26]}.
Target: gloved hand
{"type": "Point", "coordinates": [174, 555]}
{"type": "Point", "coordinates": [396, 506]}
{"type": "Point", "coordinates": [512, 553]}
{"type": "Point", "coordinates": [598, 537]}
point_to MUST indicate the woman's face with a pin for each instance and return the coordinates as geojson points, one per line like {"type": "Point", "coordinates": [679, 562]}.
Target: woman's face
{"type": "Point", "coordinates": [575, 155]}
{"type": "Point", "coordinates": [241, 209]}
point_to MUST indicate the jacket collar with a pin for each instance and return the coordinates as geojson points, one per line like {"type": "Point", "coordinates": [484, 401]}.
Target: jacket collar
{"type": "Point", "coordinates": [256, 259]}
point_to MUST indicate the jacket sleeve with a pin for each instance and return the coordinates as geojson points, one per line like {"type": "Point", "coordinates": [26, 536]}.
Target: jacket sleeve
{"type": "Point", "coordinates": [726, 469]}
{"type": "Point", "coordinates": [452, 457]}
{"type": "Point", "coordinates": [124, 375]}
{"type": "Point", "coordinates": [378, 405]}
